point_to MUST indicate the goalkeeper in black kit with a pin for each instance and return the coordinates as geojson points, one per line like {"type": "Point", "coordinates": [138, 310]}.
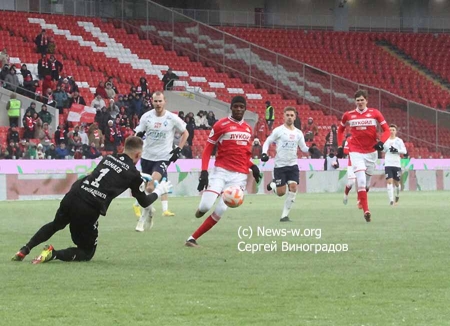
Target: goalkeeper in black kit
{"type": "Point", "coordinates": [89, 198]}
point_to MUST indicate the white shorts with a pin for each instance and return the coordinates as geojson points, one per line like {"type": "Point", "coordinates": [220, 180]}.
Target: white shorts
{"type": "Point", "coordinates": [219, 179]}
{"type": "Point", "coordinates": [364, 162]}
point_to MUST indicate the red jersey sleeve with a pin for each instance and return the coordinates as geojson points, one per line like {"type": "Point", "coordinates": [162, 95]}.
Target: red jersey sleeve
{"type": "Point", "coordinates": [386, 133]}
{"type": "Point", "coordinates": [213, 137]}
{"type": "Point", "coordinates": [341, 129]}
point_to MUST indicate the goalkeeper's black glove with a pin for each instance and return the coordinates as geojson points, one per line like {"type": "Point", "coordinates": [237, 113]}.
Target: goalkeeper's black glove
{"type": "Point", "coordinates": [340, 153]}
{"type": "Point", "coordinates": [393, 149]}
{"type": "Point", "coordinates": [176, 152]}
{"type": "Point", "coordinates": [203, 180]}
{"type": "Point", "coordinates": [264, 157]}
{"type": "Point", "coordinates": [140, 134]}
{"type": "Point", "coordinates": [379, 146]}
{"type": "Point", "coordinates": [256, 173]}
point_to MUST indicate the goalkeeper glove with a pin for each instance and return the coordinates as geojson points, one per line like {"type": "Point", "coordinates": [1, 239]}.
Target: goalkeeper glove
{"type": "Point", "coordinates": [256, 173]}
{"type": "Point", "coordinates": [176, 152]}
{"type": "Point", "coordinates": [203, 180]}
{"type": "Point", "coordinates": [264, 157]}
{"type": "Point", "coordinates": [379, 146]}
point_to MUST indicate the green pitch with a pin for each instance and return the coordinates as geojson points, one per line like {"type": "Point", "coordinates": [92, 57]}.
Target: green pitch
{"type": "Point", "coordinates": [396, 270]}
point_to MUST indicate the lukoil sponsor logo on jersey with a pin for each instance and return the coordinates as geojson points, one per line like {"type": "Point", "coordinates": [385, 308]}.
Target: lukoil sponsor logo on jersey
{"type": "Point", "coordinates": [239, 136]}
{"type": "Point", "coordinates": [362, 122]}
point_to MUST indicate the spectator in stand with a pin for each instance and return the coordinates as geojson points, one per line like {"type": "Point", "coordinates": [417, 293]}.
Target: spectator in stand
{"type": "Point", "coordinates": [331, 162]}
{"type": "Point", "coordinates": [36, 91]}
{"type": "Point", "coordinates": [136, 105]}
{"type": "Point", "coordinates": [146, 107]}
{"type": "Point", "coordinates": [95, 135]}
{"type": "Point", "coordinates": [13, 151]}
{"type": "Point", "coordinates": [45, 116]}
{"type": "Point", "coordinates": [60, 135]}
{"type": "Point", "coordinates": [31, 108]}
{"type": "Point", "coordinates": [48, 98]}
{"type": "Point", "coordinates": [200, 121]}
{"type": "Point", "coordinates": [13, 107]}
{"type": "Point", "coordinates": [43, 67]}
{"type": "Point", "coordinates": [23, 146]}
{"type": "Point", "coordinates": [51, 45]}
{"type": "Point", "coordinates": [314, 151]}
{"type": "Point", "coordinates": [102, 117]}
{"type": "Point", "coordinates": [38, 126]}
{"type": "Point", "coordinates": [48, 83]}
{"type": "Point", "coordinates": [27, 76]}
{"type": "Point", "coordinates": [211, 118]}
{"type": "Point", "coordinates": [123, 116]}
{"type": "Point", "coordinates": [111, 94]}
{"type": "Point", "coordinates": [270, 115]}
{"type": "Point", "coordinates": [261, 129]}
{"type": "Point", "coordinates": [73, 84]}
{"type": "Point", "coordinates": [4, 58]}
{"type": "Point", "coordinates": [66, 86]}
{"type": "Point", "coordinates": [76, 98]}
{"type": "Point", "coordinates": [331, 140]}
{"type": "Point", "coordinates": [121, 103]}
{"type": "Point", "coordinates": [83, 135]}
{"type": "Point", "coordinates": [74, 144]}
{"type": "Point", "coordinates": [181, 115]}
{"type": "Point", "coordinates": [186, 151]}
{"type": "Point", "coordinates": [61, 152]}
{"type": "Point", "coordinates": [168, 79]}
{"type": "Point", "coordinates": [119, 135]}
{"type": "Point", "coordinates": [132, 93]}
{"type": "Point", "coordinates": [128, 132]}
{"type": "Point", "coordinates": [310, 130]}
{"type": "Point", "coordinates": [12, 80]}
{"type": "Point", "coordinates": [98, 102]}
{"type": "Point", "coordinates": [56, 68]}
{"type": "Point", "coordinates": [297, 121]}
{"type": "Point", "coordinates": [92, 152]}
{"type": "Point", "coordinates": [3, 152]}
{"type": "Point", "coordinates": [101, 90]}
{"type": "Point", "coordinates": [113, 109]}
{"type": "Point", "coordinates": [143, 86]}
{"type": "Point", "coordinates": [31, 152]}
{"type": "Point", "coordinates": [41, 42]}
{"type": "Point", "coordinates": [110, 137]}
{"type": "Point", "coordinates": [256, 149]}
{"type": "Point", "coordinates": [134, 121]}
{"type": "Point", "coordinates": [40, 153]}
{"type": "Point", "coordinates": [13, 134]}
{"type": "Point", "coordinates": [50, 153]}
{"type": "Point", "coordinates": [61, 99]}
{"type": "Point", "coordinates": [190, 127]}
{"type": "Point", "coordinates": [113, 85]}
{"type": "Point", "coordinates": [46, 136]}
{"type": "Point", "coordinates": [4, 72]}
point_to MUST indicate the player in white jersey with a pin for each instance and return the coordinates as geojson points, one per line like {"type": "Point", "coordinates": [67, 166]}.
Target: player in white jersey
{"type": "Point", "coordinates": [159, 127]}
{"type": "Point", "coordinates": [287, 139]}
{"type": "Point", "coordinates": [393, 147]}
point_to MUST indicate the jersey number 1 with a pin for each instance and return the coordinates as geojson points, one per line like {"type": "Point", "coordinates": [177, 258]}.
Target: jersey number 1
{"type": "Point", "coordinates": [96, 181]}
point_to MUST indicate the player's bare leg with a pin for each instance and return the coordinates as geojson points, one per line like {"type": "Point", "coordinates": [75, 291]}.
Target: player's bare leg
{"type": "Point", "coordinates": [362, 193]}
{"type": "Point", "coordinates": [390, 191]}
{"type": "Point", "coordinates": [348, 187]}
{"type": "Point", "coordinates": [208, 199]}
{"type": "Point", "coordinates": [290, 199]}
{"type": "Point", "coordinates": [397, 191]}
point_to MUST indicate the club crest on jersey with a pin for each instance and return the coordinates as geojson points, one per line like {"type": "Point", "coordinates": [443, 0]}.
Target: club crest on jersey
{"type": "Point", "coordinates": [165, 123]}
{"type": "Point", "coordinates": [291, 136]}
{"type": "Point", "coordinates": [211, 134]}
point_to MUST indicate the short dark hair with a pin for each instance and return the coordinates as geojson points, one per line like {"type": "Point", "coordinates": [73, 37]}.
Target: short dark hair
{"type": "Point", "coordinates": [133, 143]}
{"type": "Point", "coordinates": [361, 92]}
{"type": "Point", "coordinates": [393, 126]}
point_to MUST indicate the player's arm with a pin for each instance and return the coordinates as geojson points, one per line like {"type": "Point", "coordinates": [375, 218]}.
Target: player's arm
{"type": "Point", "coordinates": [340, 135]}
{"type": "Point", "coordinates": [214, 135]}
{"type": "Point", "coordinates": [141, 128]}
{"type": "Point", "coordinates": [386, 133]}
{"type": "Point", "coordinates": [269, 140]}
{"type": "Point", "coordinates": [402, 147]}
{"type": "Point", "coordinates": [302, 143]}
{"type": "Point", "coordinates": [138, 191]}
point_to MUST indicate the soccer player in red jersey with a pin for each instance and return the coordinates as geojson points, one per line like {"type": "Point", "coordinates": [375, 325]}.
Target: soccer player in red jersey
{"type": "Point", "coordinates": [364, 144]}
{"type": "Point", "coordinates": [232, 137]}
